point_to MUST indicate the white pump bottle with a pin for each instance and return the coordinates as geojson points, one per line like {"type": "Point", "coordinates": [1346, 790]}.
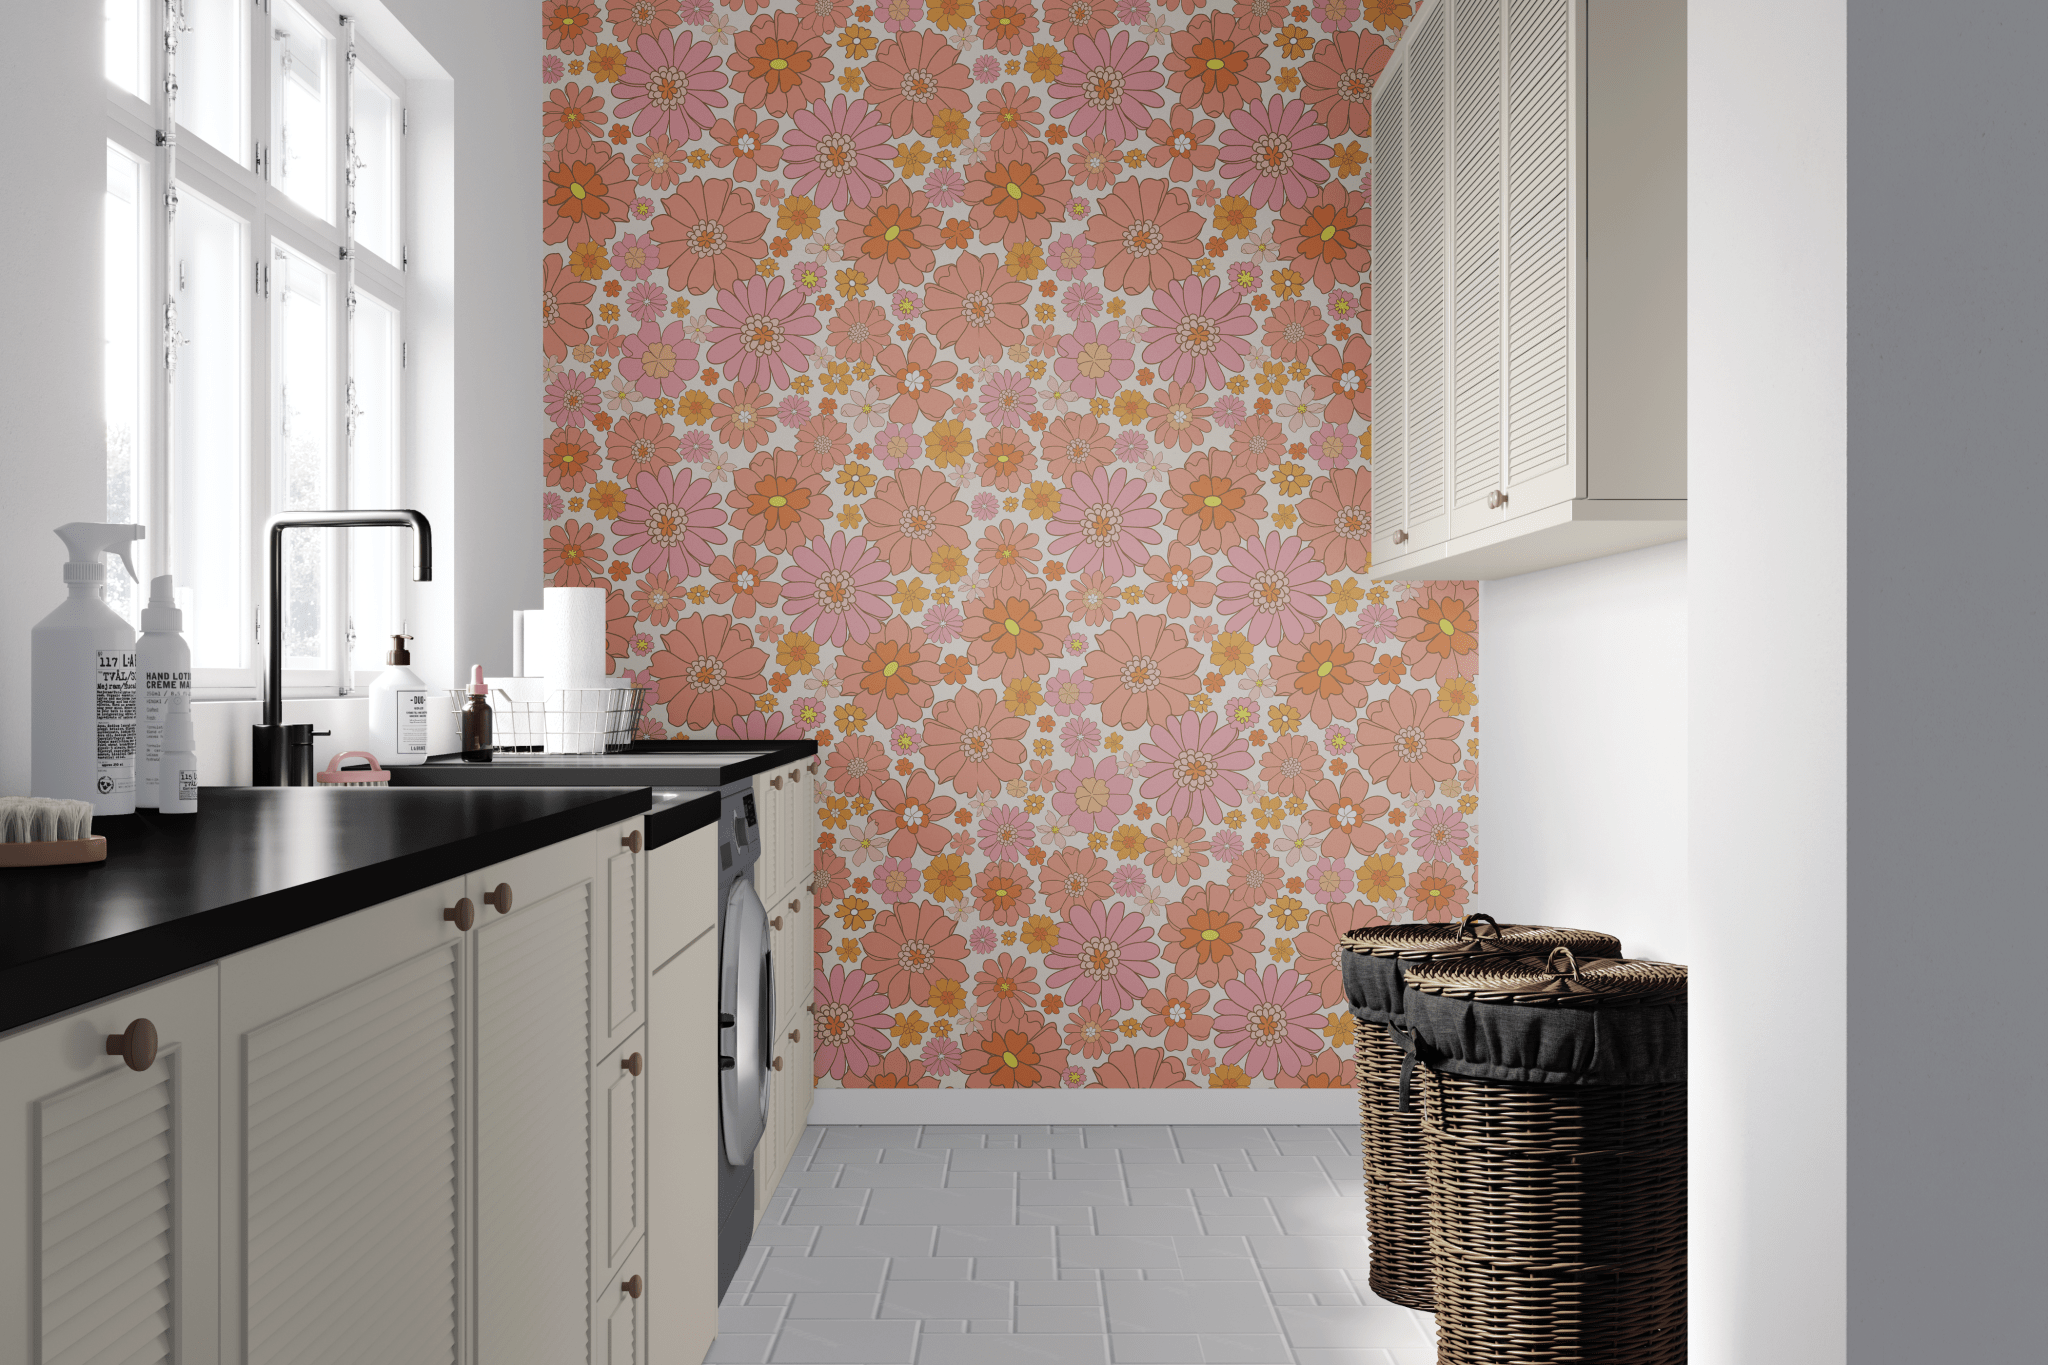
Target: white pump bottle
{"type": "Point", "coordinates": [82, 686]}
{"type": "Point", "coordinates": [163, 665]}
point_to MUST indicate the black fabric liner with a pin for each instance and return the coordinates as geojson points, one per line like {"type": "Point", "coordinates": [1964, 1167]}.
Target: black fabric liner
{"type": "Point", "coordinates": [1373, 987]}
{"type": "Point", "coordinates": [1544, 1044]}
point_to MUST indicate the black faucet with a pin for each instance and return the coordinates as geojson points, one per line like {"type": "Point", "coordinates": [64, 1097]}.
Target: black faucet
{"type": "Point", "coordinates": [282, 755]}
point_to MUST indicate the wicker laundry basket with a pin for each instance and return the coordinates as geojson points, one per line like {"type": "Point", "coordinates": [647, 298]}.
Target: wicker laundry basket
{"type": "Point", "coordinates": [1553, 1122]}
{"type": "Point", "coordinates": [1396, 1188]}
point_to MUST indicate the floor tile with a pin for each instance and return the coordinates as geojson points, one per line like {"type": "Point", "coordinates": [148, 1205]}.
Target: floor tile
{"type": "Point", "coordinates": [739, 1349]}
{"type": "Point", "coordinates": [914, 1175]}
{"type": "Point", "coordinates": [964, 1240]}
{"type": "Point", "coordinates": [989, 1326]}
{"type": "Point", "coordinates": [1297, 1183]}
{"type": "Point", "coordinates": [1016, 1268]}
{"type": "Point", "coordinates": [1031, 1190]}
{"type": "Point", "coordinates": [1288, 1162]}
{"type": "Point", "coordinates": [981, 1180]}
{"type": "Point", "coordinates": [1320, 1217]}
{"type": "Point", "coordinates": [1203, 1179]}
{"type": "Point", "coordinates": [742, 1320]}
{"type": "Point", "coordinates": [1220, 1268]}
{"type": "Point", "coordinates": [1046, 1293]}
{"type": "Point", "coordinates": [1202, 1245]}
{"type": "Point", "coordinates": [1246, 1349]}
{"type": "Point", "coordinates": [869, 1135]}
{"type": "Point", "coordinates": [930, 1268]}
{"type": "Point", "coordinates": [1322, 1280]}
{"type": "Point", "coordinates": [840, 1343]}
{"type": "Point", "coordinates": [1037, 1163]}
{"type": "Point", "coordinates": [829, 1197]}
{"type": "Point", "coordinates": [1129, 1135]}
{"type": "Point", "coordinates": [1056, 1215]}
{"type": "Point", "coordinates": [1164, 1306]}
{"type": "Point", "coordinates": [1371, 1324]}
{"type": "Point", "coordinates": [1102, 1253]}
{"type": "Point", "coordinates": [1223, 1135]}
{"type": "Point", "coordinates": [1166, 1198]}
{"type": "Point", "coordinates": [1026, 1348]}
{"type": "Point", "coordinates": [1150, 1348]}
{"type": "Point", "coordinates": [833, 1305]}
{"type": "Point", "coordinates": [908, 1240]}
{"type": "Point", "coordinates": [945, 1299]}
{"type": "Point", "coordinates": [1301, 1253]}
{"type": "Point", "coordinates": [1416, 1357]}
{"type": "Point", "coordinates": [1075, 1317]}
{"type": "Point", "coordinates": [822, 1275]}
{"type": "Point", "coordinates": [1341, 1356]}
{"type": "Point", "coordinates": [1120, 1221]}
{"type": "Point", "coordinates": [1240, 1225]}
{"type": "Point", "coordinates": [940, 1206]}
{"type": "Point", "coordinates": [931, 1325]}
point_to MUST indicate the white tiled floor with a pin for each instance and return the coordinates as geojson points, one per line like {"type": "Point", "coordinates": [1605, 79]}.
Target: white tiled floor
{"type": "Point", "coordinates": [1186, 1245]}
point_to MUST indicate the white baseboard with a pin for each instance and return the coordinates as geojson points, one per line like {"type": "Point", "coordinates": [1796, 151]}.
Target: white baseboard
{"type": "Point", "coordinates": [1008, 1107]}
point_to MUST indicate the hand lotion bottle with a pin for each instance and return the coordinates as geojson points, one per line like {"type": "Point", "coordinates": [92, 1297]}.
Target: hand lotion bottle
{"type": "Point", "coordinates": [398, 710]}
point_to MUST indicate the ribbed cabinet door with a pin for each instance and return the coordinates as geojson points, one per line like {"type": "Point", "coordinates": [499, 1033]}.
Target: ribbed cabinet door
{"type": "Point", "coordinates": [343, 1126]}
{"type": "Point", "coordinates": [1390, 312]}
{"type": "Point", "coordinates": [1478, 251]}
{"type": "Point", "coordinates": [109, 1209]}
{"type": "Point", "coordinates": [1541, 273]}
{"type": "Point", "coordinates": [533, 1167]}
{"type": "Point", "coordinates": [1428, 274]}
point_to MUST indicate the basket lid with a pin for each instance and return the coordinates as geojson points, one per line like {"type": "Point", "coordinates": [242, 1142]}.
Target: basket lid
{"type": "Point", "coordinates": [1560, 979]}
{"type": "Point", "coordinates": [1475, 935]}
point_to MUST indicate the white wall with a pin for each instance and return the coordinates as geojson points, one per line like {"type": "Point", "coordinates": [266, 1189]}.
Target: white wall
{"type": "Point", "coordinates": [1583, 688]}
{"type": "Point", "coordinates": [1767, 305]}
{"type": "Point", "coordinates": [52, 454]}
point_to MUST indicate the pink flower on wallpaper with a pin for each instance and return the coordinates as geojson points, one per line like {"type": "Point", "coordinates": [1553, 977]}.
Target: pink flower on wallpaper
{"type": "Point", "coordinates": [1007, 398]}
{"type": "Point", "coordinates": [1210, 938]}
{"type": "Point", "coordinates": [892, 237]}
{"type": "Point", "coordinates": [910, 515]}
{"type": "Point", "coordinates": [1343, 812]}
{"type": "Point", "coordinates": [1146, 235]}
{"type": "Point", "coordinates": [1193, 766]}
{"type": "Point", "coordinates": [658, 359]}
{"type": "Point", "coordinates": [1333, 447]}
{"type": "Point", "coordinates": [1267, 1022]}
{"type": "Point", "coordinates": [975, 307]}
{"type": "Point", "coordinates": [760, 726]}
{"type": "Point", "coordinates": [1376, 623]}
{"type": "Point", "coordinates": [776, 67]}
{"type": "Point", "coordinates": [896, 881]}
{"type": "Point", "coordinates": [1107, 85]}
{"type": "Point", "coordinates": [1254, 878]}
{"type": "Point", "coordinates": [1328, 236]}
{"type": "Point", "coordinates": [744, 579]}
{"type": "Point", "coordinates": [915, 813]}
{"type": "Point", "coordinates": [1007, 980]}
{"type": "Point", "coordinates": [1066, 18]}
{"type": "Point", "coordinates": [1091, 1031]}
{"type": "Point", "coordinates": [1330, 882]}
{"type": "Point", "coordinates": [1409, 744]}
{"type": "Point", "coordinates": [1073, 877]}
{"type": "Point", "coordinates": [849, 1024]}
{"type": "Point", "coordinates": [914, 380]}
{"type": "Point", "coordinates": [1013, 1049]}
{"type": "Point", "coordinates": [1095, 359]}
{"type": "Point", "coordinates": [1196, 330]}
{"type": "Point", "coordinates": [1272, 589]}
{"type": "Point", "coordinates": [973, 743]}
{"type": "Point", "coordinates": [744, 416]}
{"type": "Point", "coordinates": [1103, 955]}
{"type": "Point", "coordinates": [1274, 154]}
{"type": "Point", "coordinates": [909, 949]}
{"type": "Point", "coordinates": [1068, 692]}
{"type": "Point", "coordinates": [1106, 522]}
{"type": "Point", "coordinates": [913, 77]}
{"type": "Point", "coordinates": [1343, 381]}
{"type": "Point", "coordinates": [857, 765]}
{"type": "Point", "coordinates": [941, 1056]}
{"type": "Point", "coordinates": [836, 589]}
{"type": "Point", "coordinates": [710, 235]}
{"type": "Point", "coordinates": [1002, 893]}
{"type": "Point", "coordinates": [1439, 633]}
{"type": "Point", "coordinates": [1440, 833]}
{"type": "Point", "coordinates": [1005, 833]}
{"type": "Point", "coordinates": [672, 84]}
{"type": "Point", "coordinates": [1143, 671]}
{"type": "Point", "coordinates": [1216, 64]}
{"type": "Point", "coordinates": [708, 671]}
{"type": "Point", "coordinates": [1336, 518]}
{"type": "Point", "coordinates": [1142, 1068]}
{"type": "Point", "coordinates": [1174, 1009]}
{"type": "Point", "coordinates": [1093, 794]}
{"type": "Point", "coordinates": [760, 331]}
{"type": "Point", "coordinates": [1436, 892]}
{"type": "Point", "coordinates": [571, 399]}
{"type": "Point", "coordinates": [1178, 416]}
{"type": "Point", "coordinates": [565, 308]}
{"type": "Point", "coordinates": [837, 152]}
{"type": "Point", "coordinates": [671, 521]}
{"type": "Point", "coordinates": [899, 15]}
{"type": "Point", "coordinates": [1182, 143]}
{"type": "Point", "coordinates": [1176, 850]}
{"type": "Point", "coordinates": [745, 143]}
{"type": "Point", "coordinates": [569, 115]}
{"type": "Point", "coordinates": [859, 330]}
{"type": "Point", "coordinates": [634, 258]}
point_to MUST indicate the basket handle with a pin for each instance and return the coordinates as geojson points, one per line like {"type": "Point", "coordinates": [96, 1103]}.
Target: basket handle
{"type": "Point", "coordinates": [1571, 963]}
{"type": "Point", "coordinates": [1468, 927]}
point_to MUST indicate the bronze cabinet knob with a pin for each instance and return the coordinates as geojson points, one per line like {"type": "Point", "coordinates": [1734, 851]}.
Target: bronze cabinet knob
{"type": "Point", "coordinates": [501, 898]}
{"type": "Point", "coordinates": [795, 1037]}
{"type": "Point", "coordinates": [777, 1063]}
{"type": "Point", "coordinates": [776, 781]}
{"type": "Point", "coordinates": [632, 1287]}
{"type": "Point", "coordinates": [631, 1065]}
{"type": "Point", "coordinates": [632, 841]}
{"type": "Point", "coordinates": [137, 1046]}
{"type": "Point", "coordinates": [462, 914]}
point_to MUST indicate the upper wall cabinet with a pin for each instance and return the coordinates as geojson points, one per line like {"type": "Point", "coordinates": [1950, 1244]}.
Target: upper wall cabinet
{"type": "Point", "coordinates": [1529, 286]}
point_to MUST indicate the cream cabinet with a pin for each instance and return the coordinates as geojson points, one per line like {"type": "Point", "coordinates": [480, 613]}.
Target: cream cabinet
{"type": "Point", "coordinates": [416, 1134]}
{"type": "Point", "coordinates": [110, 1181]}
{"type": "Point", "coordinates": [787, 798]}
{"type": "Point", "coordinates": [1529, 347]}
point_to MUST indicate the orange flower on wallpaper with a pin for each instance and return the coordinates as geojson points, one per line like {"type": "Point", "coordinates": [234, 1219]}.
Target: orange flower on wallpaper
{"type": "Point", "coordinates": [1013, 363]}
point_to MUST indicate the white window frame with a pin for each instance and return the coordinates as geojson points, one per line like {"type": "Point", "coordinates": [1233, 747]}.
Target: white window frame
{"type": "Point", "coordinates": [238, 181]}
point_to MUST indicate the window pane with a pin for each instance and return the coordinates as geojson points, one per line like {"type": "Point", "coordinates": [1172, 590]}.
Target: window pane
{"type": "Point", "coordinates": [376, 164]}
{"type": "Point", "coordinates": [209, 431]}
{"type": "Point", "coordinates": [213, 75]}
{"type": "Point", "coordinates": [302, 88]}
{"type": "Point", "coordinates": [127, 48]}
{"type": "Point", "coordinates": [126, 332]}
{"type": "Point", "coordinates": [302, 469]}
{"type": "Point", "coordinates": [373, 555]}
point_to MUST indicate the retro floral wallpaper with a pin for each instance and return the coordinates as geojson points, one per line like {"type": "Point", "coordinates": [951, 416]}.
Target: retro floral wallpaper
{"type": "Point", "coordinates": [983, 387]}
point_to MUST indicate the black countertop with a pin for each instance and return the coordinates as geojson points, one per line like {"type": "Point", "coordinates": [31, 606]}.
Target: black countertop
{"type": "Point", "coordinates": [256, 864]}
{"type": "Point", "coordinates": [698, 763]}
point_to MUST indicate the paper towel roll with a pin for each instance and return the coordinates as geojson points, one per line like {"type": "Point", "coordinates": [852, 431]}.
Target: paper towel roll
{"type": "Point", "coordinates": [571, 636]}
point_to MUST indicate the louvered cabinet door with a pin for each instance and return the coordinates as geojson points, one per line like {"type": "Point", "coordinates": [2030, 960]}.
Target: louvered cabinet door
{"type": "Point", "coordinates": [109, 1184]}
{"type": "Point", "coordinates": [1390, 316]}
{"type": "Point", "coordinates": [340, 1119]}
{"type": "Point", "coordinates": [1427, 519]}
{"type": "Point", "coordinates": [532, 1143]}
{"type": "Point", "coordinates": [1478, 273]}
{"type": "Point", "coordinates": [682, 1175]}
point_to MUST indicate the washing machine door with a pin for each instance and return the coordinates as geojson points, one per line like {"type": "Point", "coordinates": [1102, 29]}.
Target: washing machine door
{"type": "Point", "coordinates": [746, 1018]}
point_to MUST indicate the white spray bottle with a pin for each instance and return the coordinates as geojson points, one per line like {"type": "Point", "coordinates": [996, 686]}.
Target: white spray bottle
{"type": "Point", "coordinates": [163, 661]}
{"type": "Point", "coordinates": [82, 692]}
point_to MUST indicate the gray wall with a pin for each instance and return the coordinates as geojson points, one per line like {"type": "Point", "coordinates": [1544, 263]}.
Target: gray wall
{"type": "Point", "coordinates": [1948, 378]}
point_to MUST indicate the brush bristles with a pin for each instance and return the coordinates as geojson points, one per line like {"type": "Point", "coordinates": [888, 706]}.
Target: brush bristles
{"type": "Point", "coordinates": [43, 819]}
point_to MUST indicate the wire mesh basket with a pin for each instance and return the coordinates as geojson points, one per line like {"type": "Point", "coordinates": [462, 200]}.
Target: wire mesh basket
{"type": "Point", "coordinates": [565, 720]}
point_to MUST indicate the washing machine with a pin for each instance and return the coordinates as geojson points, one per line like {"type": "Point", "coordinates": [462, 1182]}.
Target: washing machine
{"type": "Point", "coordinates": [746, 1020]}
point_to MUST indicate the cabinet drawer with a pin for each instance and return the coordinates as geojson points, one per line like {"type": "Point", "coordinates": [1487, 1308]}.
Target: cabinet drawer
{"type": "Point", "coordinates": [618, 1316]}
{"type": "Point", "coordinates": [618, 1156]}
{"type": "Point", "coordinates": [682, 893]}
{"type": "Point", "coordinates": [532, 877]}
